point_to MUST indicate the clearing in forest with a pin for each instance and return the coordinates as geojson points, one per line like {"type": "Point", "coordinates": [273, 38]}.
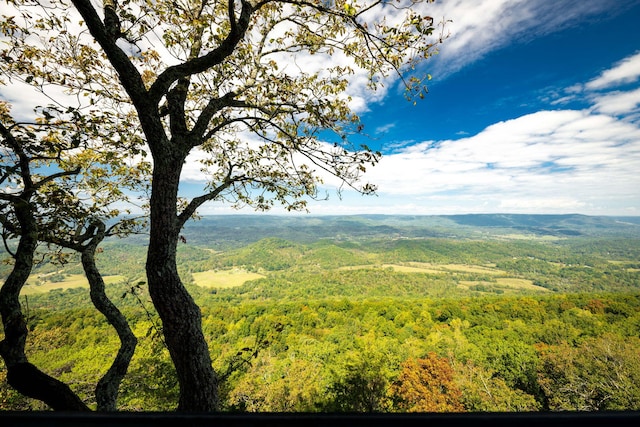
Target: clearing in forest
{"type": "Point", "coordinates": [39, 284]}
{"type": "Point", "coordinates": [224, 278]}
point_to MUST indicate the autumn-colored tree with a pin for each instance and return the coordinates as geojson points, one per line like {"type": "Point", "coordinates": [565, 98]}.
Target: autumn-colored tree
{"type": "Point", "coordinates": [233, 85]}
{"type": "Point", "coordinates": [427, 385]}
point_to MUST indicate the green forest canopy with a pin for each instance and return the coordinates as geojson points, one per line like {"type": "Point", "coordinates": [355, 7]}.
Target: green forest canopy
{"type": "Point", "coordinates": [519, 323]}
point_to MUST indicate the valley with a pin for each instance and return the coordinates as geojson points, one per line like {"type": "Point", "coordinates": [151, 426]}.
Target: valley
{"type": "Point", "coordinates": [309, 314]}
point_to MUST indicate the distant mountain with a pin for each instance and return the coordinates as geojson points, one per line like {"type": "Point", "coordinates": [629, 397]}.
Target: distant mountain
{"type": "Point", "coordinates": [557, 225]}
{"type": "Point", "coordinates": [236, 230]}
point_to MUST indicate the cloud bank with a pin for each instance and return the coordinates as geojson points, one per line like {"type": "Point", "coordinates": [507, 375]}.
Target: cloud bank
{"type": "Point", "coordinates": [552, 161]}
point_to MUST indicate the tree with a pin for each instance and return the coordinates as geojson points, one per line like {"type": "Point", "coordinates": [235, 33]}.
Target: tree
{"type": "Point", "coordinates": [272, 385]}
{"type": "Point", "coordinates": [427, 385]}
{"type": "Point", "coordinates": [18, 212]}
{"type": "Point", "coordinates": [67, 208]}
{"type": "Point", "coordinates": [49, 208]}
{"type": "Point", "coordinates": [600, 374]}
{"type": "Point", "coordinates": [364, 384]}
{"type": "Point", "coordinates": [362, 374]}
{"type": "Point", "coordinates": [224, 81]}
{"type": "Point", "coordinates": [484, 391]}
{"type": "Point", "coordinates": [86, 241]}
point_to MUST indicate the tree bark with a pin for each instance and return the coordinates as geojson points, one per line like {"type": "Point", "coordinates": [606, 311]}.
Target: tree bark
{"type": "Point", "coordinates": [181, 317]}
{"type": "Point", "coordinates": [22, 375]}
{"type": "Point", "coordinates": [108, 386]}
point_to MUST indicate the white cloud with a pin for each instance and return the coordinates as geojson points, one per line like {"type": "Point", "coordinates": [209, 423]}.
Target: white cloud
{"type": "Point", "coordinates": [554, 161]}
{"type": "Point", "coordinates": [480, 27]}
{"type": "Point", "coordinates": [613, 92]}
{"type": "Point", "coordinates": [384, 128]}
{"type": "Point", "coordinates": [618, 102]}
{"type": "Point", "coordinates": [23, 99]}
{"type": "Point", "coordinates": [548, 161]}
{"type": "Point", "coordinates": [626, 71]}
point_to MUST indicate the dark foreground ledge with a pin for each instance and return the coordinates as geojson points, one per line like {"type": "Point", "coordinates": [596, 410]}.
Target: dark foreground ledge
{"type": "Point", "coordinates": [148, 419]}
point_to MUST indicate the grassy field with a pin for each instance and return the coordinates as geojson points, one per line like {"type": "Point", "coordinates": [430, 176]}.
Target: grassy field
{"type": "Point", "coordinates": [503, 283]}
{"type": "Point", "coordinates": [39, 284]}
{"type": "Point", "coordinates": [543, 238]}
{"type": "Point", "coordinates": [424, 267]}
{"type": "Point", "coordinates": [394, 267]}
{"type": "Point", "coordinates": [520, 284]}
{"type": "Point", "coordinates": [224, 278]}
{"type": "Point", "coordinates": [458, 268]}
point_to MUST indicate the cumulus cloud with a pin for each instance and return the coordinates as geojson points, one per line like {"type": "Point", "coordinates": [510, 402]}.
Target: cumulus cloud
{"type": "Point", "coordinates": [548, 161]}
{"type": "Point", "coordinates": [618, 102]}
{"type": "Point", "coordinates": [610, 92]}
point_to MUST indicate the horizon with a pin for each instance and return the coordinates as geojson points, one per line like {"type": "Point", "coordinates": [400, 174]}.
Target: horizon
{"type": "Point", "coordinates": [353, 215]}
{"type": "Point", "coordinates": [310, 214]}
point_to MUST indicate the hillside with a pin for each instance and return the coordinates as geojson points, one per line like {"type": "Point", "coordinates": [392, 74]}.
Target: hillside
{"type": "Point", "coordinates": [297, 258]}
{"type": "Point", "coordinates": [308, 314]}
{"type": "Point", "coordinates": [237, 230]}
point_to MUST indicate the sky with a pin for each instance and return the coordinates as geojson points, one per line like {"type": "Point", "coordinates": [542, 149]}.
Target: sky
{"type": "Point", "coordinates": [533, 107]}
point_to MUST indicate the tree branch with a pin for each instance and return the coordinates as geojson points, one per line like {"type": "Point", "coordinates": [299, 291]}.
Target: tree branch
{"type": "Point", "coordinates": [205, 62]}
{"type": "Point", "coordinates": [127, 72]}
{"type": "Point", "coordinates": [196, 202]}
{"type": "Point", "coordinates": [213, 107]}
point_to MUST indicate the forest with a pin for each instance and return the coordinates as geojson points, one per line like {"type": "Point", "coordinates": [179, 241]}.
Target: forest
{"type": "Point", "coordinates": [488, 313]}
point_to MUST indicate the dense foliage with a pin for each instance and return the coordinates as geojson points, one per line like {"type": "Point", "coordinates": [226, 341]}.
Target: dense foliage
{"type": "Point", "coordinates": [384, 325]}
{"type": "Point", "coordinates": [496, 353]}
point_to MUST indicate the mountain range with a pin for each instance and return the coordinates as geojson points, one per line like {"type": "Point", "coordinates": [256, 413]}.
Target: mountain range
{"type": "Point", "coordinates": [237, 230]}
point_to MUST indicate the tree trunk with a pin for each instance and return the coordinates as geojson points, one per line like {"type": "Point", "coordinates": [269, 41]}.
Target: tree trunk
{"type": "Point", "coordinates": [108, 386]}
{"type": "Point", "coordinates": [22, 375]}
{"type": "Point", "coordinates": [181, 317]}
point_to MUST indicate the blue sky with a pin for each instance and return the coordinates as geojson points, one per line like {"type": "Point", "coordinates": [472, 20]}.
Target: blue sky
{"type": "Point", "coordinates": [534, 107]}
